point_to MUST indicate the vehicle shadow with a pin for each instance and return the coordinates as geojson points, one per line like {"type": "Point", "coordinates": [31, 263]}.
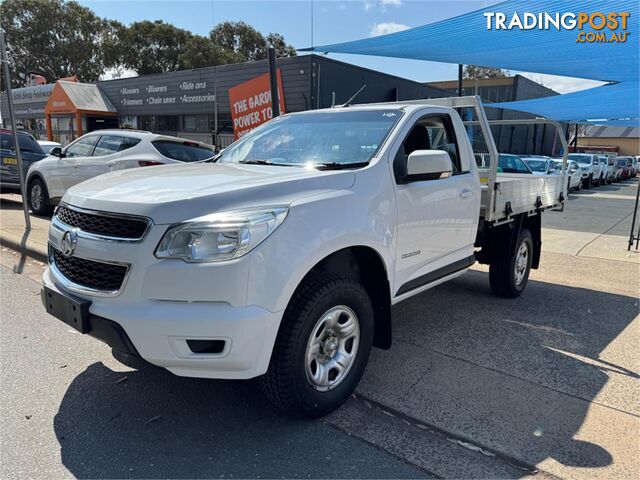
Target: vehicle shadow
{"type": "Point", "coordinates": [516, 376]}
{"type": "Point", "coordinates": [149, 423]}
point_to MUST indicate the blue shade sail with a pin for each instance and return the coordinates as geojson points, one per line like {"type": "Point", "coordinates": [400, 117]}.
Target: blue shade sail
{"type": "Point", "coordinates": [465, 39]}
{"type": "Point", "coordinates": [615, 101]}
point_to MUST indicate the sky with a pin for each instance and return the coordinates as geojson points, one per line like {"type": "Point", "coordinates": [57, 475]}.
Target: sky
{"type": "Point", "coordinates": [320, 22]}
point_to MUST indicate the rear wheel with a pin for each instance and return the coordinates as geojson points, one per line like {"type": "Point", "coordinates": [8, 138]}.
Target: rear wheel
{"type": "Point", "coordinates": [508, 275]}
{"type": "Point", "coordinates": [322, 348]}
{"type": "Point", "coordinates": [38, 198]}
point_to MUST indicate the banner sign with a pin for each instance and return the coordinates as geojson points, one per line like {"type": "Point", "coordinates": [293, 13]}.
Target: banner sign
{"type": "Point", "coordinates": [251, 103]}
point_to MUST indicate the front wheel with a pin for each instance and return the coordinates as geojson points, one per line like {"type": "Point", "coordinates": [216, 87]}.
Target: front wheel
{"type": "Point", "coordinates": [38, 198]}
{"type": "Point", "coordinates": [508, 275]}
{"type": "Point", "coordinates": [322, 348]}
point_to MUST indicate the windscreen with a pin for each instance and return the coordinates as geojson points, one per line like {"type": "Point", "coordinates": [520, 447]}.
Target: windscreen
{"type": "Point", "coordinates": [537, 165]}
{"type": "Point", "coordinates": [512, 164]}
{"type": "Point", "coordinates": [338, 138]}
{"type": "Point", "coordinates": [581, 159]}
{"type": "Point", "coordinates": [183, 151]}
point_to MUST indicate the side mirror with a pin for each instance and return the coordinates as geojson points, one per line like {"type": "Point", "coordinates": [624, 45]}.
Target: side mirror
{"type": "Point", "coordinates": [56, 152]}
{"type": "Point", "coordinates": [429, 165]}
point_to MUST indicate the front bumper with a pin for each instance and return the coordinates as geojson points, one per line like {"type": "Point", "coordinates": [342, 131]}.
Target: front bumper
{"type": "Point", "coordinates": [158, 331]}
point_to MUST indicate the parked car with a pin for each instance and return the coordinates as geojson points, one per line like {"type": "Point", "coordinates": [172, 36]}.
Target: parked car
{"type": "Point", "coordinates": [48, 145]}
{"type": "Point", "coordinates": [283, 257]}
{"type": "Point", "coordinates": [590, 166]}
{"type": "Point", "coordinates": [608, 169]}
{"type": "Point", "coordinates": [541, 165]}
{"type": "Point", "coordinates": [631, 165]}
{"type": "Point", "coordinates": [574, 172]}
{"type": "Point", "coordinates": [508, 163]}
{"type": "Point", "coordinates": [625, 165]}
{"type": "Point", "coordinates": [105, 151]}
{"type": "Point", "coordinates": [31, 153]}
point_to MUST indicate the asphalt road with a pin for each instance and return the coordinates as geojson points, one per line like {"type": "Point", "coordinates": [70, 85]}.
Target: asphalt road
{"type": "Point", "coordinates": [473, 387]}
{"type": "Point", "coordinates": [69, 409]}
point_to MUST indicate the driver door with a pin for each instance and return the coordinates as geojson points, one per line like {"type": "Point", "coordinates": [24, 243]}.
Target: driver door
{"type": "Point", "coordinates": [437, 217]}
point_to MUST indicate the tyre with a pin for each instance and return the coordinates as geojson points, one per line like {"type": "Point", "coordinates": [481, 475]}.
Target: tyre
{"type": "Point", "coordinates": [508, 276]}
{"type": "Point", "coordinates": [588, 181]}
{"type": "Point", "coordinates": [579, 187]}
{"type": "Point", "coordinates": [322, 347]}
{"type": "Point", "coordinates": [39, 198]}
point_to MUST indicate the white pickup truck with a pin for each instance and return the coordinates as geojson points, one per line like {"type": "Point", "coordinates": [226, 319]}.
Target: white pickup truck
{"type": "Point", "coordinates": [283, 256]}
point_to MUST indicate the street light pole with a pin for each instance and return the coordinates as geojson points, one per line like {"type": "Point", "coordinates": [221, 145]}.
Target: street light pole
{"type": "Point", "coordinates": [7, 82]}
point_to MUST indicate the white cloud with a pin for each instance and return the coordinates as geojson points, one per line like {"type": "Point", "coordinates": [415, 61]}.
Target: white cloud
{"type": "Point", "coordinates": [562, 84]}
{"type": "Point", "coordinates": [386, 27]}
{"type": "Point", "coordinates": [381, 4]}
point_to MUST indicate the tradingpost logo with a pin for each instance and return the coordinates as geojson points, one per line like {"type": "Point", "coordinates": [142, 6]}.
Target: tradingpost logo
{"type": "Point", "coordinates": [603, 27]}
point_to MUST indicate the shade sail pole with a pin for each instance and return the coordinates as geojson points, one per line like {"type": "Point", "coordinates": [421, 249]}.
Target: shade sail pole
{"type": "Point", "coordinates": [12, 117]}
{"type": "Point", "coordinates": [459, 79]}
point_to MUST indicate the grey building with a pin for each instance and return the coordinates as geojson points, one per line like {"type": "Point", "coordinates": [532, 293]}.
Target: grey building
{"type": "Point", "coordinates": [195, 103]}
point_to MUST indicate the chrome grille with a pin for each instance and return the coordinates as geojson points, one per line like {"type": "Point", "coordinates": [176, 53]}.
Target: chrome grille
{"type": "Point", "coordinates": [103, 224]}
{"type": "Point", "coordinates": [99, 276]}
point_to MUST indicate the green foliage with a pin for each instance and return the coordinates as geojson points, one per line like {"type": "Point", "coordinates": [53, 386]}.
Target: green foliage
{"type": "Point", "coordinates": [53, 38]}
{"type": "Point", "coordinates": [57, 38]}
{"type": "Point", "coordinates": [476, 71]}
{"type": "Point", "coordinates": [247, 42]}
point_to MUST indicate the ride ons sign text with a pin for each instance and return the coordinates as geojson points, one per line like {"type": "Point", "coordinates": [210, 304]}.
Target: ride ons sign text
{"type": "Point", "coordinates": [251, 104]}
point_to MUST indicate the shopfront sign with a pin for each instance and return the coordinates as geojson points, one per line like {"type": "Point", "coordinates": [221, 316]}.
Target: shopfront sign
{"type": "Point", "coordinates": [251, 104]}
{"type": "Point", "coordinates": [155, 94]}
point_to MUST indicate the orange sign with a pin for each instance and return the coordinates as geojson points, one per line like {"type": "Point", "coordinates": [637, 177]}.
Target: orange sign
{"type": "Point", "coordinates": [251, 104]}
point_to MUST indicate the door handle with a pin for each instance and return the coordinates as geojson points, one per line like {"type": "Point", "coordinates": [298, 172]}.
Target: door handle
{"type": "Point", "coordinates": [111, 164]}
{"type": "Point", "coordinates": [466, 193]}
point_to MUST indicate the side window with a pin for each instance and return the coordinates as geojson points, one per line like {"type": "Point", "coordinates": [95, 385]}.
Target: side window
{"type": "Point", "coordinates": [128, 142]}
{"type": "Point", "coordinates": [81, 148]}
{"type": "Point", "coordinates": [107, 145]}
{"type": "Point", "coordinates": [433, 132]}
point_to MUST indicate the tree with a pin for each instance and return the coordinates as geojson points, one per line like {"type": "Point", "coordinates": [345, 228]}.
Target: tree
{"type": "Point", "coordinates": [247, 42]}
{"type": "Point", "coordinates": [153, 47]}
{"type": "Point", "coordinates": [52, 38]}
{"type": "Point", "coordinates": [201, 52]}
{"type": "Point", "coordinates": [282, 49]}
{"type": "Point", "coordinates": [476, 71]}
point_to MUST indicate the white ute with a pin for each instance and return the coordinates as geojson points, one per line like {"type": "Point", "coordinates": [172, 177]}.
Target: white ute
{"type": "Point", "coordinates": [283, 256]}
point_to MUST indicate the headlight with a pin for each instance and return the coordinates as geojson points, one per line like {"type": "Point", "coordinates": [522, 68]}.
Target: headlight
{"type": "Point", "coordinates": [220, 236]}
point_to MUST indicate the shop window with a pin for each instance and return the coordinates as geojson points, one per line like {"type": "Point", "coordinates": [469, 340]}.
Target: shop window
{"type": "Point", "coordinates": [196, 123]}
{"type": "Point", "coordinates": [160, 123]}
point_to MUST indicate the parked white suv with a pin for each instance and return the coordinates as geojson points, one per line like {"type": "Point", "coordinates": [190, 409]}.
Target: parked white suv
{"type": "Point", "coordinates": [100, 152]}
{"type": "Point", "coordinates": [590, 166]}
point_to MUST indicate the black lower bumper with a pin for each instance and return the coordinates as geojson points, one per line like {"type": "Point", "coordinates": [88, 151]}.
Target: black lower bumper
{"type": "Point", "coordinates": [75, 313]}
{"type": "Point", "coordinates": [112, 334]}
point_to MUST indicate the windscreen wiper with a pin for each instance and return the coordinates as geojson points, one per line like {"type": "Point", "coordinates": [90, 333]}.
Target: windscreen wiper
{"type": "Point", "coordinates": [265, 162]}
{"type": "Point", "coordinates": [339, 166]}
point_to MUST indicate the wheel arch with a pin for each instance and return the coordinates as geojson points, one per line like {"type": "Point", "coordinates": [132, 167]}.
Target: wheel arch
{"type": "Point", "coordinates": [365, 265]}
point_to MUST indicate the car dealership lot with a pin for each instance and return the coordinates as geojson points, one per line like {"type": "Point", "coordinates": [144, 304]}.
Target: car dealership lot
{"type": "Point", "coordinates": [546, 381]}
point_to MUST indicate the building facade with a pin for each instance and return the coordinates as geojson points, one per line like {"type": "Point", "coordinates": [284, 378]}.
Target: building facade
{"type": "Point", "coordinates": [195, 103]}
